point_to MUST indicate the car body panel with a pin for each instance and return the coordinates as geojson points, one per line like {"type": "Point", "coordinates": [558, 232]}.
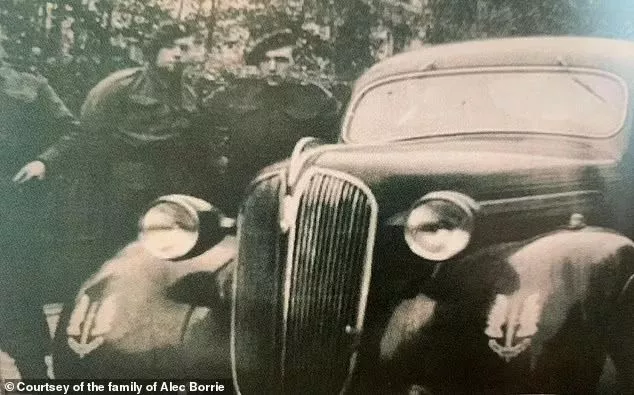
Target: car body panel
{"type": "Point", "coordinates": [534, 316]}
{"type": "Point", "coordinates": [432, 326]}
{"type": "Point", "coordinates": [144, 317]}
{"type": "Point", "coordinates": [170, 319]}
{"type": "Point", "coordinates": [596, 53]}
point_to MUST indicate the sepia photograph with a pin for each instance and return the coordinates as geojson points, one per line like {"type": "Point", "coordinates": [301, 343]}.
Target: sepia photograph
{"type": "Point", "coordinates": [412, 197]}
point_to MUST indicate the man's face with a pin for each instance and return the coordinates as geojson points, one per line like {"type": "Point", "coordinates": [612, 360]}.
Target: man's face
{"type": "Point", "coordinates": [181, 52]}
{"type": "Point", "coordinates": [277, 61]}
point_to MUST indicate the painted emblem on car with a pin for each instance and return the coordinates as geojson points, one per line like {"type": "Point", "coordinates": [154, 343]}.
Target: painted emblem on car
{"type": "Point", "coordinates": [88, 324]}
{"type": "Point", "coordinates": [512, 322]}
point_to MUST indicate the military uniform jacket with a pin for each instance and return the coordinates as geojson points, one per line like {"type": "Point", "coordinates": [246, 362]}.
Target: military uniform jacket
{"type": "Point", "coordinates": [135, 108]}
{"type": "Point", "coordinates": [263, 122]}
{"type": "Point", "coordinates": [137, 123]}
{"type": "Point", "coordinates": [33, 118]}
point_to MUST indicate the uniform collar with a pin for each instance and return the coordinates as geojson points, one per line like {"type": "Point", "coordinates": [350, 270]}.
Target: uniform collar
{"type": "Point", "coordinates": [149, 88]}
{"type": "Point", "coordinates": [145, 89]}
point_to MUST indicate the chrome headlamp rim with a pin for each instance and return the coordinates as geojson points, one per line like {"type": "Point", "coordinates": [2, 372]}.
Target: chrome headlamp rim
{"type": "Point", "coordinates": [468, 208]}
{"type": "Point", "coordinates": [182, 202]}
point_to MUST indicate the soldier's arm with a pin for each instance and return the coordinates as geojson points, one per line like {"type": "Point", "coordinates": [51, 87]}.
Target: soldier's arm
{"type": "Point", "coordinates": [60, 121]}
{"type": "Point", "coordinates": [56, 119]}
{"type": "Point", "coordinates": [83, 142]}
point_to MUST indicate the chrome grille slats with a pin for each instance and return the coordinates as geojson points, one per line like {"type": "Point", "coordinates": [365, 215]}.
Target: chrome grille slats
{"type": "Point", "coordinates": [334, 254]}
{"type": "Point", "coordinates": [303, 243]}
{"type": "Point", "coordinates": [343, 222]}
{"type": "Point", "coordinates": [313, 281]}
{"type": "Point", "coordinates": [309, 256]}
{"type": "Point", "coordinates": [340, 247]}
{"type": "Point", "coordinates": [316, 290]}
{"type": "Point", "coordinates": [323, 189]}
{"type": "Point", "coordinates": [307, 209]}
{"type": "Point", "coordinates": [359, 235]}
{"type": "Point", "coordinates": [328, 267]}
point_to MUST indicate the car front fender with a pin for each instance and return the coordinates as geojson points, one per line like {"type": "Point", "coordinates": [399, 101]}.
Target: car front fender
{"type": "Point", "coordinates": [530, 315]}
{"type": "Point", "coordinates": [140, 316]}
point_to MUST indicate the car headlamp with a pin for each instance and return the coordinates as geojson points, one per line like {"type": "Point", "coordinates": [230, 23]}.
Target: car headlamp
{"type": "Point", "coordinates": [440, 225]}
{"type": "Point", "coordinates": [169, 229]}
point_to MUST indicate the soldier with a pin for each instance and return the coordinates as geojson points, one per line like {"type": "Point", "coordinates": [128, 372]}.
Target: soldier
{"type": "Point", "coordinates": [273, 54]}
{"type": "Point", "coordinates": [140, 123]}
{"type": "Point", "coordinates": [144, 118]}
{"type": "Point", "coordinates": [265, 116]}
{"type": "Point", "coordinates": [33, 118]}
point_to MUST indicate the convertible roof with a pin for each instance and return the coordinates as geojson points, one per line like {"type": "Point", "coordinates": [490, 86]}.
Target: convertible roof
{"type": "Point", "coordinates": [616, 56]}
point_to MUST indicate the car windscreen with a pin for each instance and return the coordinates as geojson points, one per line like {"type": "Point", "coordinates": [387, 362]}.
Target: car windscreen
{"type": "Point", "coordinates": [559, 101]}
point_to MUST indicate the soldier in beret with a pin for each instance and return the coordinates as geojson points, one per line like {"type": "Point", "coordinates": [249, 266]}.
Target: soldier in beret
{"type": "Point", "coordinates": [273, 53]}
{"type": "Point", "coordinates": [263, 115]}
{"type": "Point", "coordinates": [268, 112]}
{"type": "Point", "coordinates": [140, 122]}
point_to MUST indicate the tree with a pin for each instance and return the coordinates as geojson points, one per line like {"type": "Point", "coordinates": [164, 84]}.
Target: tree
{"type": "Point", "coordinates": [468, 19]}
{"type": "Point", "coordinates": [75, 43]}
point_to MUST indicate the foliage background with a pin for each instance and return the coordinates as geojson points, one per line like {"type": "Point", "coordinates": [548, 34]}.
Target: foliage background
{"type": "Point", "coordinates": [75, 43]}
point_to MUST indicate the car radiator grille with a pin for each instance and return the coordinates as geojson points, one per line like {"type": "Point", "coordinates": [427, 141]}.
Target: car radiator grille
{"type": "Point", "coordinates": [322, 275]}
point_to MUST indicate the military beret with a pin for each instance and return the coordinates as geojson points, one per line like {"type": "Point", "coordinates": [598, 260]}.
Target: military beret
{"type": "Point", "coordinates": [165, 35]}
{"type": "Point", "coordinates": [280, 38]}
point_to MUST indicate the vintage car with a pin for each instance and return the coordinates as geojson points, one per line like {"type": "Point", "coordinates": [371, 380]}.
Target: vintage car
{"type": "Point", "coordinates": [160, 307]}
{"type": "Point", "coordinates": [469, 233]}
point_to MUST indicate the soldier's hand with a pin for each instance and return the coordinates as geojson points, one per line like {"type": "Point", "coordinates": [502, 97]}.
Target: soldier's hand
{"type": "Point", "coordinates": [35, 169]}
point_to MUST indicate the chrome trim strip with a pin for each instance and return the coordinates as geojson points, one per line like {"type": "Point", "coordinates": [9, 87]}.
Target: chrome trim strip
{"type": "Point", "coordinates": [354, 102]}
{"type": "Point", "coordinates": [302, 185]}
{"type": "Point", "coordinates": [265, 176]}
{"type": "Point", "coordinates": [487, 207]}
{"type": "Point", "coordinates": [297, 160]}
{"type": "Point", "coordinates": [234, 292]}
{"type": "Point", "coordinates": [490, 206]}
{"type": "Point", "coordinates": [538, 197]}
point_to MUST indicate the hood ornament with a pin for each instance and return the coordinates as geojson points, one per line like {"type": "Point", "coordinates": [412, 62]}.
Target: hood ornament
{"type": "Point", "coordinates": [289, 204]}
{"type": "Point", "coordinates": [288, 212]}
